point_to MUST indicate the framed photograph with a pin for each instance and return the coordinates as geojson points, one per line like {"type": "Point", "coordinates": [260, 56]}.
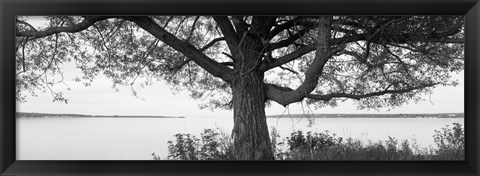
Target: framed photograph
{"type": "Point", "coordinates": [235, 88]}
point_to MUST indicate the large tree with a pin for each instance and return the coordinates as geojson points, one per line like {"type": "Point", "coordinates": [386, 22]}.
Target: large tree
{"type": "Point", "coordinates": [246, 62]}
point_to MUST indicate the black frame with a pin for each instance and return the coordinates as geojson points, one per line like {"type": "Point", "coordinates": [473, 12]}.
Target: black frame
{"type": "Point", "coordinates": [10, 8]}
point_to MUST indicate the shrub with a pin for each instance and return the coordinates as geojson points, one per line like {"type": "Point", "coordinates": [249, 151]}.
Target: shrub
{"type": "Point", "coordinates": [277, 146]}
{"type": "Point", "coordinates": [215, 145]}
{"type": "Point", "coordinates": [184, 147]}
{"type": "Point", "coordinates": [312, 141]}
{"type": "Point", "coordinates": [310, 145]}
{"type": "Point", "coordinates": [212, 145]}
{"type": "Point", "coordinates": [450, 142]}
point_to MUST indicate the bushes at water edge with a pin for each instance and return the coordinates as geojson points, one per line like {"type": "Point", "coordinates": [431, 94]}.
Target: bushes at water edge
{"type": "Point", "coordinates": [214, 144]}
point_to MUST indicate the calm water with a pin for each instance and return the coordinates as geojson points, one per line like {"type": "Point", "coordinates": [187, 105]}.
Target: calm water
{"type": "Point", "coordinates": [138, 138]}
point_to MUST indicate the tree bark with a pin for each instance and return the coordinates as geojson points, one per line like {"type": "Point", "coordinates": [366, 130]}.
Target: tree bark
{"type": "Point", "coordinates": [250, 131]}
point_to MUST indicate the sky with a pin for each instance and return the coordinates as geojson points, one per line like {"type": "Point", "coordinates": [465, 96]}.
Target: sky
{"type": "Point", "coordinates": [101, 99]}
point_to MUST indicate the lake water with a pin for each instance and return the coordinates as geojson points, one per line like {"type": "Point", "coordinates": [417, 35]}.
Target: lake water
{"type": "Point", "coordinates": [138, 138]}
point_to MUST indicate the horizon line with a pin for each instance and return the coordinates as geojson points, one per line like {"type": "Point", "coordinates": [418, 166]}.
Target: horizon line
{"type": "Point", "coordinates": [266, 115]}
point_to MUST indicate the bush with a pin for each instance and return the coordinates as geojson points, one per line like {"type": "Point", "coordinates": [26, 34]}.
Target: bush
{"type": "Point", "coordinates": [212, 145]}
{"type": "Point", "coordinates": [450, 142]}
{"type": "Point", "coordinates": [184, 147]}
{"type": "Point", "coordinates": [215, 145]}
{"type": "Point", "coordinates": [307, 146]}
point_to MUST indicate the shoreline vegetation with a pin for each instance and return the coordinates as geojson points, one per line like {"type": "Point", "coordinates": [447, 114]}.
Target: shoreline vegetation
{"type": "Point", "coordinates": [433, 115]}
{"type": "Point", "coordinates": [47, 115]}
{"type": "Point", "coordinates": [216, 144]}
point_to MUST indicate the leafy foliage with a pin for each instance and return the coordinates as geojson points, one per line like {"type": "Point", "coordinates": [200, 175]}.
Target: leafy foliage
{"type": "Point", "coordinates": [212, 146]}
{"type": "Point", "coordinates": [450, 141]}
{"type": "Point", "coordinates": [184, 147]}
{"type": "Point", "coordinates": [312, 141]}
{"type": "Point", "coordinates": [371, 54]}
{"type": "Point", "coordinates": [322, 146]}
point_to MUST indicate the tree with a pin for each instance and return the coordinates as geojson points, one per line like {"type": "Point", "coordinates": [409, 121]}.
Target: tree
{"type": "Point", "coordinates": [246, 62]}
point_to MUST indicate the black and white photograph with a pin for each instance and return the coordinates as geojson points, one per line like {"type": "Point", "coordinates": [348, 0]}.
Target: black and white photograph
{"type": "Point", "coordinates": [324, 88]}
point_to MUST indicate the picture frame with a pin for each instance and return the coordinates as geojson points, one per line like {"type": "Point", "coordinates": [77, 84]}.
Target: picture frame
{"type": "Point", "coordinates": [9, 9]}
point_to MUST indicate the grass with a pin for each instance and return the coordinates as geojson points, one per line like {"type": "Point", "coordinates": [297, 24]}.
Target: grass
{"type": "Point", "coordinates": [215, 144]}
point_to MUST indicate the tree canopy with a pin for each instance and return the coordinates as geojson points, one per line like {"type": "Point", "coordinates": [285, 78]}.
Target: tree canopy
{"type": "Point", "coordinates": [245, 62]}
{"type": "Point", "coordinates": [377, 60]}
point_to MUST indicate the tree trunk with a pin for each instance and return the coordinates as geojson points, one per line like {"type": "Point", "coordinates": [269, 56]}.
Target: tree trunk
{"type": "Point", "coordinates": [250, 131]}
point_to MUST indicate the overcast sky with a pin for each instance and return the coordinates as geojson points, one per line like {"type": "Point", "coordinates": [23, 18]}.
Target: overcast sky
{"type": "Point", "coordinates": [101, 99]}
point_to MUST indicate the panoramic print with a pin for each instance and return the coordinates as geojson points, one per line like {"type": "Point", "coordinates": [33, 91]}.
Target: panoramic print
{"type": "Point", "coordinates": [240, 88]}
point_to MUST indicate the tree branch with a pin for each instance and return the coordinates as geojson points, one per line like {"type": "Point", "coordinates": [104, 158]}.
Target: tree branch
{"type": "Point", "coordinates": [27, 24]}
{"type": "Point", "coordinates": [86, 23]}
{"type": "Point", "coordinates": [227, 63]}
{"type": "Point", "coordinates": [193, 27]}
{"type": "Point", "coordinates": [291, 39]}
{"type": "Point", "coordinates": [322, 54]}
{"type": "Point", "coordinates": [288, 69]}
{"type": "Point", "coordinates": [328, 97]}
{"type": "Point", "coordinates": [286, 25]}
{"type": "Point", "coordinates": [404, 66]}
{"type": "Point", "coordinates": [267, 65]}
{"type": "Point", "coordinates": [211, 43]}
{"type": "Point", "coordinates": [288, 58]}
{"type": "Point", "coordinates": [179, 66]}
{"type": "Point", "coordinates": [229, 33]}
{"type": "Point", "coordinates": [240, 25]}
{"type": "Point", "coordinates": [187, 49]}
{"type": "Point", "coordinates": [300, 20]}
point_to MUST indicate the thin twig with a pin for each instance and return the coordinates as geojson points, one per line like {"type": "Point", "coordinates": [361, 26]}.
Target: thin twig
{"type": "Point", "coordinates": [193, 28]}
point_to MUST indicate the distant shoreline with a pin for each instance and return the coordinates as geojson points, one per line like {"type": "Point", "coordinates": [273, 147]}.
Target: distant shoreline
{"type": "Point", "coordinates": [44, 115]}
{"type": "Point", "coordinates": [432, 115]}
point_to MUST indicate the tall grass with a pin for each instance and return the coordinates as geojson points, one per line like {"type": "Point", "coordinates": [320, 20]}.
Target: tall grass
{"type": "Point", "coordinates": [215, 144]}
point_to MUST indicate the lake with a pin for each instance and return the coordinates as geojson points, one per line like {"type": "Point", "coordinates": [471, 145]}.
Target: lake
{"type": "Point", "coordinates": [137, 138]}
